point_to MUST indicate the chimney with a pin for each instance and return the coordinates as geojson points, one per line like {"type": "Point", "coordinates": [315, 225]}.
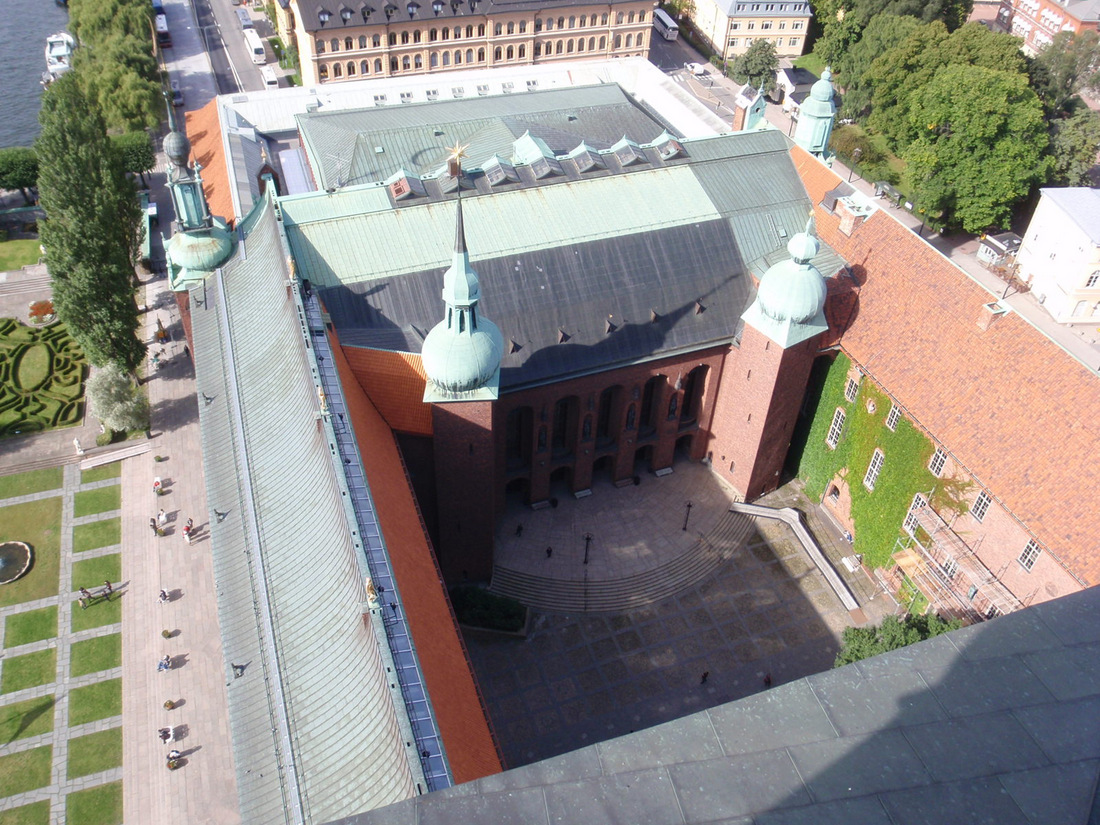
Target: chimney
{"type": "Point", "coordinates": [989, 313]}
{"type": "Point", "coordinates": [850, 215]}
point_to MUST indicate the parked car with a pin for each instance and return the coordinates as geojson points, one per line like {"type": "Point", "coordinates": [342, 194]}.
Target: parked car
{"type": "Point", "coordinates": [177, 93]}
{"type": "Point", "coordinates": [697, 69]}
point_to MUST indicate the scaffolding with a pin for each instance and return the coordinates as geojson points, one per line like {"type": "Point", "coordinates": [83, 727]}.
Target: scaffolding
{"type": "Point", "coordinates": [947, 571]}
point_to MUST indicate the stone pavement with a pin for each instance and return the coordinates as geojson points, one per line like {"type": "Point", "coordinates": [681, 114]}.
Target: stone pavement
{"type": "Point", "coordinates": [582, 678]}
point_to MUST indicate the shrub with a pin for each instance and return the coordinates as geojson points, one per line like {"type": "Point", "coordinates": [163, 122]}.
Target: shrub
{"type": "Point", "coordinates": [479, 608]}
{"type": "Point", "coordinates": [40, 310]}
{"type": "Point", "coordinates": [863, 642]}
{"type": "Point", "coordinates": [116, 401]}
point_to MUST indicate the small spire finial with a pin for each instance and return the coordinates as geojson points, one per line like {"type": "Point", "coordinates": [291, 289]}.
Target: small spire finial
{"type": "Point", "coordinates": [811, 225]}
{"type": "Point", "coordinates": [454, 159]}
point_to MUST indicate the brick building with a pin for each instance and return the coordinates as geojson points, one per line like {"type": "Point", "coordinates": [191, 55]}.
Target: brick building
{"type": "Point", "coordinates": [1037, 21]}
{"type": "Point", "coordinates": [351, 41]}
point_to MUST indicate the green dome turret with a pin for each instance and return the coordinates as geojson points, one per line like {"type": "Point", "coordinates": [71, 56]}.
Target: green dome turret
{"type": "Point", "coordinates": [816, 116]}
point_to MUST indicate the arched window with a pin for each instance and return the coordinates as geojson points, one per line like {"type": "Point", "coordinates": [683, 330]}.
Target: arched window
{"type": "Point", "coordinates": [348, 44]}
{"type": "Point", "coordinates": [511, 27]}
{"type": "Point", "coordinates": [376, 41]}
{"type": "Point", "coordinates": [510, 54]}
{"type": "Point", "coordinates": [322, 72]}
{"type": "Point", "coordinates": [404, 38]}
{"type": "Point", "coordinates": [603, 19]}
{"type": "Point", "coordinates": [592, 44]}
{"type": "Point", "coordinates": [569, 47]}
{"type": "Point", "coordinates": [618, 41]}
{"type": "Point", "coordinates": [496, 54]}
{"type": "Point", "coordinates": [549, 24]}
{"type": "Point", "coordinates": [572, 22]}
{"type": "Point", "coordinates": [393, 65]}
{"type": "Point", "coordinates": [558, 48]}
{"type": "Point", "coordinates": [446, 58]}
{"type": "Point", "coordinates": [418, 62]}
{"type": "Point", "coordinates": [393, 38]}
{"type": "Point", "coordinates": [481, 55]}
{"type": "Point", "coordinates": [433, 60]}
{"type": "Point", "coordinates": [406, 64]}
{"type": "Point", "coordinates": [603, 42]}
{"type": "Point", "coordinates": [641, 16]}
{"type": "Point", "coordinates": [498, 29]}
{"type": "Point", "coordinates": [362, 41]}
{"type": "Point", "coordinates": [351, 68]}
{"type": "Point", "coordinates": [538, 50]}
{"type": "Point", "coordinates": [630, 17]}
{"type": "Point", "coordinates": [480, 29]}
{"type": "Point", "coordinates": [458, 57]}
{"type": "Point", "coordinates": [458, 32]}
{"type": "Point", "coordinates": [561, 22]}
{"type": "Point", "coordinates": [334, 45]}
{"type": "Point", "coordinates": [619, 19]}
{"type": "Point", "coordinates": [639, 41]}
{"type": "Point", "coordinates": [538, 24]}
{"type": "Point", "coordinates": [364, 67]}
{"type": "Point", "coordinates": [433, 35]}
{"type": "Point", "coordinates": [629, 40]}
{"type": "Point", "coordinates": [580, 44]}
{"type": "Point", "coordinates": [469, 55]}
{"type": "Point", "coordinates": [378, 65]}
{"type": "Point", "coordinates": [469, 31]}
{"type": "Point", "coordinates": [522, 52]}
{"type": "Point", "coordinates": [337, 71]}
{"type": "Point", "coordinates": [522, 26]}
{"type": "Point", "coordinates": [446, 34]}
{"type": "Point", "coordinates": [320, 47]}
{"type": "Point", "coordinates": [416, 36]}
{"type": "Point", "coordinates": [583, 19]}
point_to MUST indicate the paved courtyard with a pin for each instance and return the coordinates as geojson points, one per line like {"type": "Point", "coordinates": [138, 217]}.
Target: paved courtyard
{"type": "Point", "coordinates": [582, 678]}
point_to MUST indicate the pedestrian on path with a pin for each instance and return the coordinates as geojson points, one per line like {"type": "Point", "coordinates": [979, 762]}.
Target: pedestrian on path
{"type": "Point", "coordinates": [187, 533]}
{"type": "Point", "coordinates": [153, 524]}
{"type": "Point", "coordinates": [165, 663]}
{"type": "Point", "coordinates": [767, 680]}
{"type": "Point", "coordinates": [704, 677]}
{"type": "Point", "coordinates": [84, 592]}
{"type": "Point", "coordinates": [83, 603]}
{"type": "Point", "coordinates": [549, 552]}
{"type": "Point", "coordinates": [162, 518]}
{"type": "Point", "coordinates": [107, 590]}
{"type": "Point", "coordinates": [163, 597]}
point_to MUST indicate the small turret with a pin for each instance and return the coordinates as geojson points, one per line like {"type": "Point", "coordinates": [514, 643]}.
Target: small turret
{"type": "Point", "coordinates": [816, 116]}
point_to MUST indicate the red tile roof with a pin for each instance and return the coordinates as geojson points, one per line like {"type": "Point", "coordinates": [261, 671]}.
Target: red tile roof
{"type": "Point", "coordinates": [1011, 406]}
{"type": "Point", "coordinates": [455, 698]}
{"type": "Point", "coordinates": [204, 132]}
{"type": "Point", "coordinates": [394, 381]}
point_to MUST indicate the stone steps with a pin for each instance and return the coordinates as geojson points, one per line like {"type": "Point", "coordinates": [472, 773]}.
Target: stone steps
{"type": "Point", "coordinates": [668, 579]}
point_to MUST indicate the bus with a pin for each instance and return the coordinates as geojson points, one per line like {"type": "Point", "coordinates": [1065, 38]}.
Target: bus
{"type": "Point", "coordinates": [255, 47]}
{"type": "Point", "coordinates": [164, 37]}
{"type": "Point", "coordinates": [270, 79]}
{"type": "Point", "coordinates": [245, 18]}
{"type": "Point", "coordinates": [665, 25]}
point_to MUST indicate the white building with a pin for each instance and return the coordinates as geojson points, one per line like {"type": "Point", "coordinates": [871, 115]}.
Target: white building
{"type": "Point", "coordinates": [1060, 255]}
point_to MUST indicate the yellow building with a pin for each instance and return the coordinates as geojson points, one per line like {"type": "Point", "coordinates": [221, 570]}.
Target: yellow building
{"type": "Point", "coordinates": [352, 40]}
{"type": "Point", "coordinates": [731, 26]}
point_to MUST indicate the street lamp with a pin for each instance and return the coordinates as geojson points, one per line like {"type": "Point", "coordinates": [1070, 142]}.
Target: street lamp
{"type": "Point", "coordinates": [687, 515]}
{"type": "Point", "coordinates": [587, 542]}
{"type": "Point", "coordinates": [856, 155]}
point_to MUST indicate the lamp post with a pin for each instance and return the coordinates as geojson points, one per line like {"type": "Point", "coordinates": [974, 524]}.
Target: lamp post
{"type": "Point", "coordinates": [687, 515]}
{"type": "Point", "coordinates": [857, 153]}
{"type": "Point", "coordinates": [587, 542]}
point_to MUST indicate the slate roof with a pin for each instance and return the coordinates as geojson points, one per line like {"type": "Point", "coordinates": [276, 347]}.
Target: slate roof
{"type": "Point", "coordinates": [557, 262]}
{"type": "Point", "coordinates": [343, 146]}
{"type": "Point", "coordinates": [290, 596]}
{"type": "Point", "coordinates": [1015, 410]}
{"type": "Point", "coordinates": [1081, 204]}
{"type": "Point", "coordinates": [308, 11]}
{"type": "Point", "coordinates": [995, 723]}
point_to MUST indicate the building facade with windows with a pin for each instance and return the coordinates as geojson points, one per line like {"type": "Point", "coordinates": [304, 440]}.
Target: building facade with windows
{"type": "Point", "coordinates": [1037, 21]}
{"type": "Point", "coordinates": [357, 40]}
{"type": "Point", "coordinates": [731, 26]}
{"type": "Point", "coordinates": [1060, 254]}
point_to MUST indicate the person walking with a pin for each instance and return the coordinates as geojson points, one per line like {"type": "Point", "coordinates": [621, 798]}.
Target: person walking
{"type": "Point", "coordinates": [83, 603]}
{"type": "Point", "coordinates": [84, 592]}
{"type": "Point", "coordinates": [153, 524]}
{"type": "Point", "coordinates": [187, 533]}
{"type": "Point", "coordinates": [162, 518]}
{"type": "Point", "coordinates": [107, 590]}
{"type": "Point", "coordinates": [163, 598]}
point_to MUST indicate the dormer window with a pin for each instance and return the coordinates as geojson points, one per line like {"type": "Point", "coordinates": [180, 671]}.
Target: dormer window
{"type": "Point", "coordinates": [345, 14]}
{"type": "Point", "coordinates": [437, 6]}
{"type": "Point", "coordinates": [324, 16]}
{"type": "Point", "coordinates": [412, 9]}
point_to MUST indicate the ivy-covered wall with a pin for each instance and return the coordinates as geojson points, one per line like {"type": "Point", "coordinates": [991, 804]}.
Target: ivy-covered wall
{"type": "Point", "coordinates": [877, 514]}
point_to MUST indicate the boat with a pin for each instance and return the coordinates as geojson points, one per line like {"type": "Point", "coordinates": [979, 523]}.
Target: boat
{"type": "Point", "coordinates": [59, 55]}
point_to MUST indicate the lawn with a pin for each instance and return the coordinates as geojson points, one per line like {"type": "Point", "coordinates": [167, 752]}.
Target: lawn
{"type": "Point", "coordinates": [93, 572]}
{"type": "Point", "coordinates": [30, 626]}
{"type": "Point", "coordinates": [99, 613]}
{"type": "Point", "coordinates": [17, 254]}
{"type": "Point", "coordinates": [25, 771]}
{"type": "Point", "coordinates": [32, 481]}
{"type": "Point", "coordinates": [37, 813]}
{"type": "Point", "coordinates": [95, 752]}
{"type": "Point", "coordinates": [99, 700]}
{"type": "Point", "coordinates": [97, 534]}
{"type": "Point", "coordinates": [811, 62]}
{"type": "Point", "coordinates": [106, 471]}
{"type": "Point", "coordinates": [38, 523]}
{"type": "Point", "coordinates": [101, 805]}
{"type": "Point", "coordinates": [91, 655]}
{"type": "Point", "coordinates": [29, 670]}
{"type": "Point", "coordinates": [23, 719]}
{"type": "Point", "coordinates": [97, 501]}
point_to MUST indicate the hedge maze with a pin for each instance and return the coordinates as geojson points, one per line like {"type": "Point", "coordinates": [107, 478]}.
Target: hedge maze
{"type": "Point", "coordinates": [42, 373]}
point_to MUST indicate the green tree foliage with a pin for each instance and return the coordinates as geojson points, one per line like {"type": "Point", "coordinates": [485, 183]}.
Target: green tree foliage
{"type": "Point", "coordinates": [864, 642]}
{"type": "Point", "coordinates": [679, 8]}
{"type": "Point", "coordinates": [19, 170]}
{"type": "Point", "coordinates": [883, 33]}
{"type": "Point", "coordinates": [1074, 142]}
{"type": "Point", "coordinates": [981, 145]}
{"type": "Point", "coordinates": [843, 22]}
{"type": "Point", "coordinates": [91, 234]}
{"type": "Point", "coordinates": [135, 151]}
{"type": "Point", "coordinates": [757, 65]}
{"type": "Point", "coordinates": [1069, 64]}
{"type": "Point", "coordinates": [116, 401]}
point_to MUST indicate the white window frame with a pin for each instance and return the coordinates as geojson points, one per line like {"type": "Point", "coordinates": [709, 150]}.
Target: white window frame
{"type": "Point", "coordinates": [937, 462]}
{"type": "Point", "coordinates": [981, 506]}
{"type": "Point", "coordinates": [878, 458]}
{"type": "Point", "coordinates": [893, 417]}
{"type": "Point", "coordinates": [832, 438]}
{"type": "Point", "coordinates": [909, 525]}
{"type": "Point", "coordinates": [851, 390]}
{"type": "Point", "coordinates": [1094, 280]}
{"type": "Point", "coordinates": [950, 568]}
{"type": "Point", "coordinates": [1029, 555]}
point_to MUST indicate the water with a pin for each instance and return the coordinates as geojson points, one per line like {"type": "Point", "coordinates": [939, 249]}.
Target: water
{"type": "Point", "coordinates": [24, 26]}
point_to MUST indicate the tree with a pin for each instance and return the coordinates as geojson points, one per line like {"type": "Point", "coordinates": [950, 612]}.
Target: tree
{"type": "Point", "coordinates": [863, 642]}
{"type": "Point", "coordinates": [981, 145]}
{"type": "Point", "coordinates": [91, 231]}
{"type": "Point", "coordinates": [1069, 64]}
{"type": "Point", "coordinates": [758, 65]}
{"type": "Point", "coordinates": [116, 401]}
{"type": "Point", "coordinates": [679, 9]}
{"type": "Point", "coordinates": [135, 150]}
{"type": "Point", "coordinates": [19, 170]}
{"type": "Point", "coordinates": [843, 22]}
{"type": "Point", "coordinates": [883, 33]}
{"type": "Point", "coordinates": [1074, 142]}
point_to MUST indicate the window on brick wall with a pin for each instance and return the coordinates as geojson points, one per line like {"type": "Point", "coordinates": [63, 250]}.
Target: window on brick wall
{"type": "Point", "coordinates": [939, 459]}
{"type": "Point", "coordinates": [851, 390]}
{"type": "Point", "coordinates": [950, 567]}
{"type": "Point", "coordinates": [1094, 280]}
{"type": "Point", "coordinates": [981, 506]}
{"type": "Point", "coordinates": [873, 469]}
{"type": "Point", "coordinates": [909, 525]}
{"type": "Point", "coordinates": [1029, 555]}
{"type": "Point", "coordinates": [892, 418]}
{"type": "Point", "coordinates": [835, 429]}
{"type": "Point", "coordinates": [992, 612]}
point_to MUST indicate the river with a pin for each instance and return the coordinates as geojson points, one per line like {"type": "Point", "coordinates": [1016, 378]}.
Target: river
{"type": "Point", "coordinates": [24, 26]}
